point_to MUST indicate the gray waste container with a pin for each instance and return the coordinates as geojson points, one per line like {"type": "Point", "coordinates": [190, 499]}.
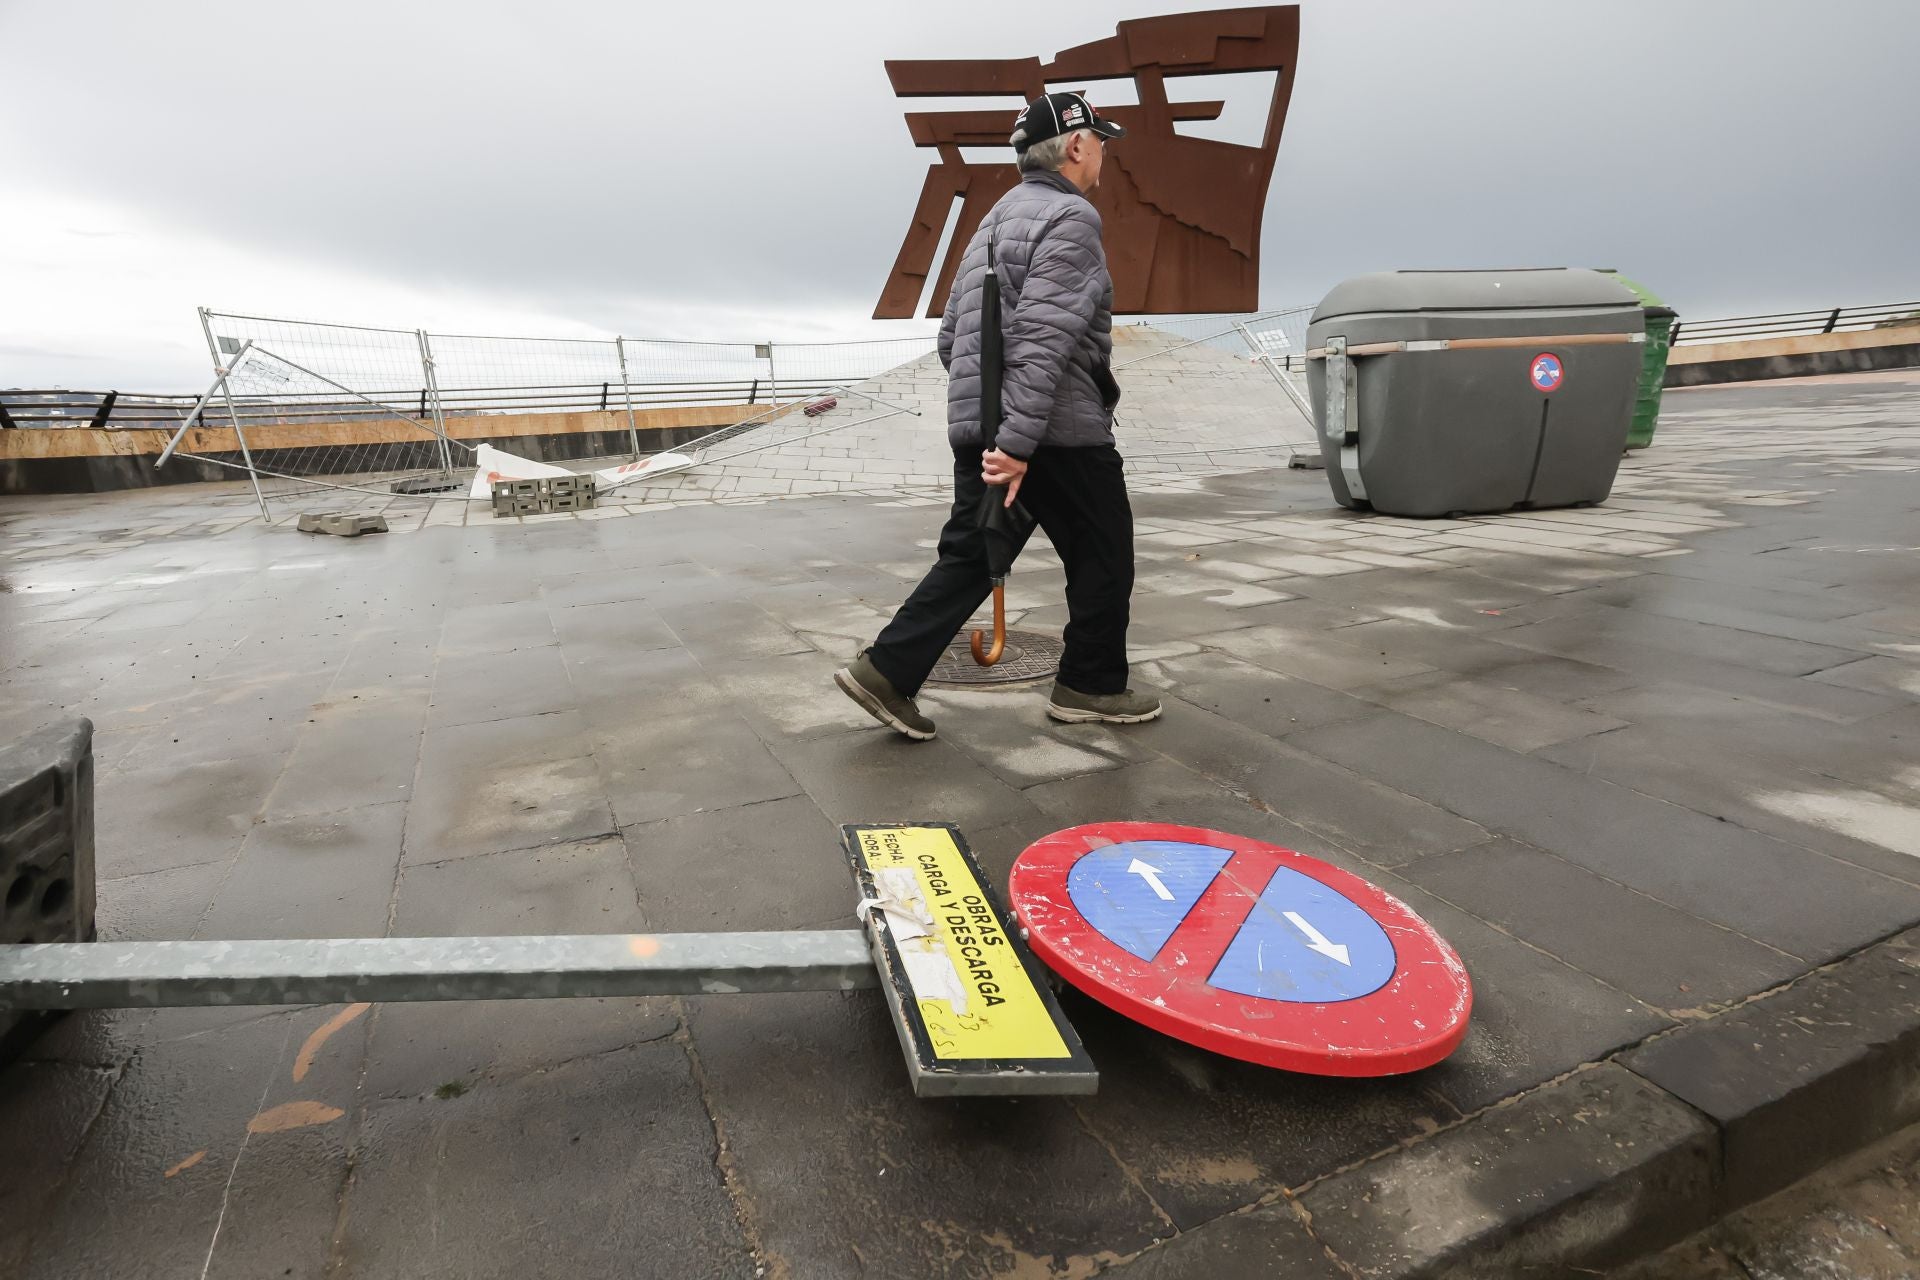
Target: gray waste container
{"type": "Point", "coordinates": [1441, 392]}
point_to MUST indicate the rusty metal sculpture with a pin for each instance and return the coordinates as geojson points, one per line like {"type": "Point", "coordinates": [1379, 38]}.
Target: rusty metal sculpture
{"type": "Point", "coordinates": [1182, 214]}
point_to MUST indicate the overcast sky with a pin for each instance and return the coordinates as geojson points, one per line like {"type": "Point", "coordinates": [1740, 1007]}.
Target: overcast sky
{"type": "Point", "coordinates": [741, 170]}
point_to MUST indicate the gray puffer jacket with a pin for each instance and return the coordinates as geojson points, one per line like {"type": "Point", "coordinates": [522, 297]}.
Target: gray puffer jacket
{"type": "Point", "coordinates": [1056, 315]}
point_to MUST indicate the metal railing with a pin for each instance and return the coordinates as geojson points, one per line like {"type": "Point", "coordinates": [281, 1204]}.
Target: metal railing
{"type": "Point", "coordinates": [1785, 324]}
{"type": "Point", "coordinates": [483, 375]}
{"type": "Point", "coordinates": [328, 372]}
{"type": "Point", "coordinates": [140, 411]}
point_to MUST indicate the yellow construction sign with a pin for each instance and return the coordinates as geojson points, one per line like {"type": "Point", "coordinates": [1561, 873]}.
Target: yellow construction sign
{"type": "Point", "coordinates": [946, 953]}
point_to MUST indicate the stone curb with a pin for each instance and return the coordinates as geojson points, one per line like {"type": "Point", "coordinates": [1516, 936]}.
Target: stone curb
{"type": "Point", "coordinates": [1614, 1161]}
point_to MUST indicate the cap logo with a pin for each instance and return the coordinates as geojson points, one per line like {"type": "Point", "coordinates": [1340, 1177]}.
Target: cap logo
{"type": "Point", "coordinates": [1075, 114]}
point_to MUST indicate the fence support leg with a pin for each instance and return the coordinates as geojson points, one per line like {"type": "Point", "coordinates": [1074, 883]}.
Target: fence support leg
{"type": "Point", "coordinates": [626, 396]}
{"type": "Point", "coordinates": [1292, 392]}
{"type": "Point", "coordinates": [433, 396]}
{"type": "Point", "coordinates": [233, 415]}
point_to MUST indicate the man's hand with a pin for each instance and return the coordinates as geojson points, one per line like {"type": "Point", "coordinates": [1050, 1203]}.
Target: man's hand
{"type": "Point", "coordinates": [1003, 468]}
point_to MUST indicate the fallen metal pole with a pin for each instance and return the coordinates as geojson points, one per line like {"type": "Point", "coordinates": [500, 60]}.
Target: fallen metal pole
{"type": "Point", "coordinates": [126, 975]}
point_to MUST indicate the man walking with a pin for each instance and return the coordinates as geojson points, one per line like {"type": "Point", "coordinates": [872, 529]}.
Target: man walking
{"type": "Point", "coordinates": [1054, 449]}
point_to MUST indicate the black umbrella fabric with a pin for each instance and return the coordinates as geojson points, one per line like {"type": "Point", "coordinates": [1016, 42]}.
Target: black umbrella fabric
{"type": "Point", "coordinates": [1004, 527]}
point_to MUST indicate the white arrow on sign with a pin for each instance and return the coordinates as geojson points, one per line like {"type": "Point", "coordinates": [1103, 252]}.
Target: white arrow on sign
{"type": "Point", "coordinates": [1317, 941]}
{"type": "Point", "coordinates": [1151, 874]}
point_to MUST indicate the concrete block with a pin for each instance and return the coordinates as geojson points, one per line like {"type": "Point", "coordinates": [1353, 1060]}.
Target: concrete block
{"type": "Point", "coordinates": [351, 526]}
{"type": "Point", "coordinates": [425, 484]}
{"type": "Point", "coordinates": [46, 851]}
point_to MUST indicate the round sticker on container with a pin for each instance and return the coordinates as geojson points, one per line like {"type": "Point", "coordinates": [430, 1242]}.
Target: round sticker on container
{"type": "Point", "coordinates": [1546, 372]}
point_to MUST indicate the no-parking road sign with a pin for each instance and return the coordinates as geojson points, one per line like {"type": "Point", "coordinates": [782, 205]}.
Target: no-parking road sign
{"type": "Point", "coordinates": [1243, 948]}
{"type": "Point", "coordinates": [1546, 372]}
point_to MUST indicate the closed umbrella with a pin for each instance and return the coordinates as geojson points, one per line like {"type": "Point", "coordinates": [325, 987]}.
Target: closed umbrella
{"type": "Point", "coordinates": [1004, 527]}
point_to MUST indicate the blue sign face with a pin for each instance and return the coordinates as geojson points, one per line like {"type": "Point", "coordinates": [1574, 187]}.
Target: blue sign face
{"type": "Point", "coordinates": [1546, 371]}
{"type": "Point", "coordinates": [1294, 940]}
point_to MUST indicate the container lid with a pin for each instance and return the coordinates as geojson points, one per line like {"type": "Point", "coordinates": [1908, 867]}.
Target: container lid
{"type": "Point", "coordinates": [1514, 288]}
{"type": "Point", "coordinates": [1648, 298]}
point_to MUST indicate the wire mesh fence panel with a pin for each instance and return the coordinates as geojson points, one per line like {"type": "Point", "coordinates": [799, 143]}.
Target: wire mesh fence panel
{"type": "Point", "coordinates": [1206, 392]}
{"type": "Point", "coordinates": [382, 365]}
{"type": "Point", "coordinates": [826, 364]}
{"type": "Point", "coordinates": [823, 388]}
{"type": "Point", "coordinates": [395, 411]}
{"type": "Point", "coordinates": [666, 372]}
{"type": "Point", "coordinates": [483, 376]}
{"type": "Point", "coordinates": [310, 405]}
{"type": "Point", "coordinates": [1282, 335]}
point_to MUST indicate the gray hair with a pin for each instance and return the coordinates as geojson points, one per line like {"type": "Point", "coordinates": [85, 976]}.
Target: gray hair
{"type": "Point", "coordinates": [1050, 154]}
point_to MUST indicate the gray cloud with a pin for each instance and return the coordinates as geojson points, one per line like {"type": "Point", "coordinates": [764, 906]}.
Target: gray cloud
{"type": "Point", "coordinates": [45, 353]}
{"type": "Point", "coordinates": [613, 162]}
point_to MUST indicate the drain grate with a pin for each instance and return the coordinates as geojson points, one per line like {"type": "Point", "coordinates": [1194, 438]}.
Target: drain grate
{"type": "Point", "coordinates": [1029, 656]}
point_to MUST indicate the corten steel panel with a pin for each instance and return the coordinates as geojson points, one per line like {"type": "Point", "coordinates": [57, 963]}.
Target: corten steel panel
{"type": "Point", "coordinates": [1182, 214]}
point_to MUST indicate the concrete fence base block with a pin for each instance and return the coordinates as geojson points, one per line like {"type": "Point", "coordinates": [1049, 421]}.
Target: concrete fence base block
{"type": "Point", "coordinates": [46, 851]}
{"type": "Point", "coordinates": [344, 524]}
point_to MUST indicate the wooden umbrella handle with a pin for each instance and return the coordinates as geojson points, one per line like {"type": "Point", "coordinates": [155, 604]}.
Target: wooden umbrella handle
{"type": "Point", "coordinates": [981, 653]}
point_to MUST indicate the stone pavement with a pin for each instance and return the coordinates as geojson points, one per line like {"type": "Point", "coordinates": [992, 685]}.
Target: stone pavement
{"type": "Point", "coordinates": [1638, 763]}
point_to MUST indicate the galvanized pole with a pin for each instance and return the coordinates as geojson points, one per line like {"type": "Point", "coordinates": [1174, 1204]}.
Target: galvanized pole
{"type": "Point", "coordinates": [433, 396]}
{"type": "Point", "coordinates": [773, 379]}
{"type": "Point", "coordinates": [233, 414]}
{"type": "Point", "coordinates": [200, 405]}
{"type": "Point", "coordinates": [626, 394]}
{"type": "Point", "coordinates": [1265, 357]}
{"type": "Point", "coordinates": [132, 975]}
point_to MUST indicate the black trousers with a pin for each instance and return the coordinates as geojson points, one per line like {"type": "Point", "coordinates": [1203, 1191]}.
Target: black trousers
{"type": "Point", "coordinates": [1079, 496]}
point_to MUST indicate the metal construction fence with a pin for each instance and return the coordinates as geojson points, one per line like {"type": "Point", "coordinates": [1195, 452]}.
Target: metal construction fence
{"type": "Point", "coordinates": [302, 404]}
{"type": "Point", "coordinates": [482, 374]}
{"type": "Point", "coordinates": [403, 386]}
{"type": "Point", "coordinates": [473, 374]}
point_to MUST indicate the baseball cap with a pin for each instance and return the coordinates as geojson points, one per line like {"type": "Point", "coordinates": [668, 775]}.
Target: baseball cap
{"type": "Point", "coordinates": [1053, 114]}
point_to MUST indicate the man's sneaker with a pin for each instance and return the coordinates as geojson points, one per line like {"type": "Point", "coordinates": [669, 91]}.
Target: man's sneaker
{"type": "Point", "coordinates": [1070, 706]}
{"type": "Point", "coordinates": [875, 693]}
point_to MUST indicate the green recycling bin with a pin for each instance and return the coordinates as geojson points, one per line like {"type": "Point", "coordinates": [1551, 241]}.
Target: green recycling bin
{"type": "Point", "coordinates": [1653, 363]}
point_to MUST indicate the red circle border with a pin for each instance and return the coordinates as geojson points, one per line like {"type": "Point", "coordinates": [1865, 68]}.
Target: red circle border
{"type": "Point", "coordinates": [1418, 1018]}
{"type": "Point", "coordinates": [1557, 359]}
